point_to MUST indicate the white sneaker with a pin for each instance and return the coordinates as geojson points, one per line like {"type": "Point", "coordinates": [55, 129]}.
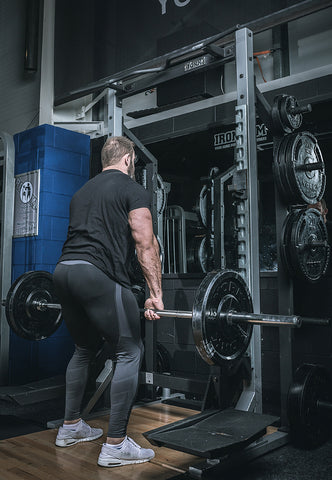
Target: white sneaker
{"type": "Point", "coordinates": [84, 433]}
{"type": "Point", "coordinates": [129, 453]}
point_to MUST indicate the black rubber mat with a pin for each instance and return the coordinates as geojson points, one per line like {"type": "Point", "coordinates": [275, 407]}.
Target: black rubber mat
{"type": "Point", "coordinates": [220, 433]}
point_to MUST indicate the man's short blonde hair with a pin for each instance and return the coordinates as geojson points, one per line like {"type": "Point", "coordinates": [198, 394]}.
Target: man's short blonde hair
{"type": "Point", "coordinates": [114, 149]}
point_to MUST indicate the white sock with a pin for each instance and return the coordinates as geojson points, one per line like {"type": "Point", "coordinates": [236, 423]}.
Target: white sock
{"type": "Point", "coordinates": [118, 445]}
{"type": "Point", "coordinates": [72, 426]}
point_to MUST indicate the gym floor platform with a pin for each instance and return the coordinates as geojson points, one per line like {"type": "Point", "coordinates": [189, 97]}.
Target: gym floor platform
{"type": "Point", "coordinates": [34, 456]}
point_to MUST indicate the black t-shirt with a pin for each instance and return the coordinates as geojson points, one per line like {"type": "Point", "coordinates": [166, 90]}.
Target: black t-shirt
{"type": "Point", "coordinates": [98, 229]}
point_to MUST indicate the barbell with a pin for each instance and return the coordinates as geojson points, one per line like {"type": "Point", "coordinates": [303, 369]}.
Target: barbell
{"type": "Point", "coordinates": [222, 315]}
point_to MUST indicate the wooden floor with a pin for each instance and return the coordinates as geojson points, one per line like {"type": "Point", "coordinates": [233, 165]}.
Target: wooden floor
{"type": "Point", "coordinates": [35, 456]}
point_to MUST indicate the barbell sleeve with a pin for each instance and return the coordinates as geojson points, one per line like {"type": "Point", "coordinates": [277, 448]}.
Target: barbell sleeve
{"type": "Point", "coordinates": [324, 406]}
{"type": "Point", "coordinates": [262, 319]}
{"type": "Point", "coordinates": [309, 167]}
{"type": "Point", "coordinates": [54, 306]}
{"type": "Point", "coordinates": [321, 322]}
{"type": "Point", "coordinates": [42, 306]}
{"type": "Point", "coordinates": [300, 109]}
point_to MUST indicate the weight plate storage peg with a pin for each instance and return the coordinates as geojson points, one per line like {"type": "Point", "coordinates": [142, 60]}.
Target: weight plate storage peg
{"type": "Point", "coordinates": [216, 339]}
{"type": "Point", "coordinates": [299, 169]}
{"type": "Point", "coordinates": [24, 316]}
{"type": "Point", "coordinates": [305, 250]}
{"type": "Point", "coordinates": [309, 406]}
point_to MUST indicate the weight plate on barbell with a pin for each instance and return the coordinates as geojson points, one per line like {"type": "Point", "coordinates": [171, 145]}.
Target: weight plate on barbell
{"type": "Point", "coordinates": [309, 425]}
{"type": "Point", "coordinates": [295, 180]}
{"type": "Point", "coordinates": [23, 317]}
{"type": "Point", "coordinates": [305, 249]}
{"type": "Point", "coordinates": [215, 339]}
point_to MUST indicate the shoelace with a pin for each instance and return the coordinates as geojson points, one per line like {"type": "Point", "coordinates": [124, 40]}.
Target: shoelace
{"type": "Point", "coordinates": [85, 425]}
{"type": "Point", "coordinates": [130, 440]}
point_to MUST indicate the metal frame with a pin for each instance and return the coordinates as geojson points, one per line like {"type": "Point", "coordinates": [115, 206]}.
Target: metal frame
{"type": "Point", "coordinates": [210, 47]}
{"type": "Point", "coordinates": [7, 223]}
{"type": "Point", "coordinates": [46, 99]}
{"type": "Point", "coordinates": [203, 55]}
{"type": "Point", "coordinates": [112, 114]}
{"type": "Point", "coordinates": [219, 217]}
{"type": "Point", "coordinates": [247, 208]}
{"type": "Point", "coordinates": [175, 214]}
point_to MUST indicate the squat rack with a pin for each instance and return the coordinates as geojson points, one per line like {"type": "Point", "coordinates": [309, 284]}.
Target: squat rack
{"type": "Point", "coordinates": [237, 47]}
{"type": "Point", "coordinates": [244, 184]}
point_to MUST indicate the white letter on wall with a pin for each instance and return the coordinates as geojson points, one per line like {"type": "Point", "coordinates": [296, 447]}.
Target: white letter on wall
{"type": "Point", "coordinates": [163, 6]}
{"type": "Point", "coordinates": [180, 3]}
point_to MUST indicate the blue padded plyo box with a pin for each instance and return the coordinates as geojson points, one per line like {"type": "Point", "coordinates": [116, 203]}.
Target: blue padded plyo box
{"type": "Point", "coordinates": [63, 158]}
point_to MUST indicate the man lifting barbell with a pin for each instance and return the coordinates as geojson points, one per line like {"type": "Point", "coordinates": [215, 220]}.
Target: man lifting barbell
{"type": "Point", "coordinates": [109, 217]}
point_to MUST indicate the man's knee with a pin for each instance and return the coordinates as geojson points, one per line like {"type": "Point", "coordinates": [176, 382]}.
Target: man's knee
{"type": "Point", "coordinates": [130, 351]}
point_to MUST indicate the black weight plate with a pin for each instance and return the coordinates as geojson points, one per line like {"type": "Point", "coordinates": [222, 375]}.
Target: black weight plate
{"type": "Point", "coordinates": [285, 242]}
{"type": "Point", "coordinates": [277, 173]}
{"type": "Point", "coordinates": [218, 342]}
{"type": "Point", "coordinates": [26, 320]}
{"type": "Point", "coordinates": [280, 170]}
{"type": "Point", "coordinates": [203, 206]}
{"type": "Point", "coordinates": [309, 425]}
{"type": "Point", "coordinates": [290, 121]}
{"type": "Point", "coordinates": [197, 254]}
{"type": "Point", "coordinates": [308, 186]}
{"type": "Point", "coordinates": [309, 261]}
{"type": "Point", "coordinates": [275, 115]}
{"type": "Point", "coordinates": [293, 196]}
{"type": "Point", "coordinates": [284, 166]}
{"type": "Point", "coordinates": [163, 359]}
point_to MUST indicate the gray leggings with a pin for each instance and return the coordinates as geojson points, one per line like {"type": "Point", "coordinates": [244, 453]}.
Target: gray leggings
{"type": "Point", "coordinates": [95, 308]}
